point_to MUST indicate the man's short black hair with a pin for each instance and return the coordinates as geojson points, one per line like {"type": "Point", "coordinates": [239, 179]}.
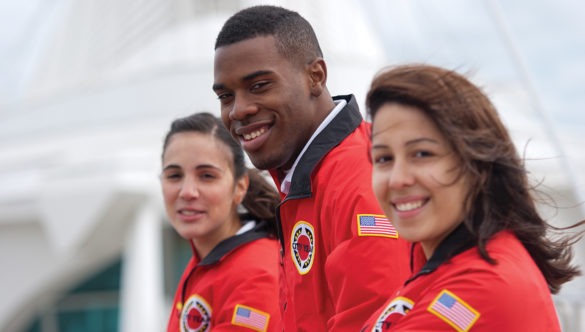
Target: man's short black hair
{"type": "Point", "coordinates": [294, 36]}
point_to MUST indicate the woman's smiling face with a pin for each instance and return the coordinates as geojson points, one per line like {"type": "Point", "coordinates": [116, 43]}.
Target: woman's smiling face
{"type": "Point", "coordinates": [415, 175]}
{"type": "Point", "coordinates": [200, 193]}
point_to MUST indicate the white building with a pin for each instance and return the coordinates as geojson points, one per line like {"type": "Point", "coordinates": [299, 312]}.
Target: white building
{"type": "Point", "coordinates": [84, 244]}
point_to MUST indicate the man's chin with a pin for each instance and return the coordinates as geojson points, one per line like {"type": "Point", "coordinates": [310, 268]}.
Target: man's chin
{"type": "Point", "coordinates": [263, 163]}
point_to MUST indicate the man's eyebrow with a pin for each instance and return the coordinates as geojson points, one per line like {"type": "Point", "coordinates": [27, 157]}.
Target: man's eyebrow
{"type": "Point", "coordinates": [256, 74]}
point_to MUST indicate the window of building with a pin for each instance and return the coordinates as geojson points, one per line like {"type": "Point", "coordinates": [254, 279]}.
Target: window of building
{"type": "Point", "coordinates": [91, 306]}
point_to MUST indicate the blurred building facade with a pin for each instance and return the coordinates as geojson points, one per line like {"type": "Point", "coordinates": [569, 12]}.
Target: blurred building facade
{"type": "Point", "coordinates": [83, 238]}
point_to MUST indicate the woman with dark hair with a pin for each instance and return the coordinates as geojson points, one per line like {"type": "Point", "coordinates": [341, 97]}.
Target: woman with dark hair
{"type": "Point", "coordinates": [447, 174]}
{"type": "Point", "coordinates": [231, 282]}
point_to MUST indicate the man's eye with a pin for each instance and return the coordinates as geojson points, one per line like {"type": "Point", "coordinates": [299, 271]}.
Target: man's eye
{"type": "Point", "coordinates": [223, 96]}
{"type": "Point", "coordinates": [258, 85]}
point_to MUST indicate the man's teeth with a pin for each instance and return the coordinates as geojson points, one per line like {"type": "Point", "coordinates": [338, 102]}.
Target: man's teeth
{"type": "Point", "coordinates": [188, 212]}
{"type": "Point", "coordinates": [408, 206]}
{"type": "Point", "coordinates": [254, 134]}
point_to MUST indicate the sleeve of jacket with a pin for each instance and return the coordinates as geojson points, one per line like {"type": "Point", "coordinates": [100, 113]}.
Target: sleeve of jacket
{"type": "Point", "coordinates": [362, 271]}
{"type": "Point", "coordinates": [250, 295]}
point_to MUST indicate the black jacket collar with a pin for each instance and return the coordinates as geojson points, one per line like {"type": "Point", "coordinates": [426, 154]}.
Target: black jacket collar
{"type": "Point", "coordinates": [455, 243]}
{"type": "Point", "coordinates": [228, 245]}
{"type": "Point", "coordinates": [340, 127]}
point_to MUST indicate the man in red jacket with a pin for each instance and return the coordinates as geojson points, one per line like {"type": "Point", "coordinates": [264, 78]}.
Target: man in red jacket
{"type": "Point", "coordinates": [341, 258]}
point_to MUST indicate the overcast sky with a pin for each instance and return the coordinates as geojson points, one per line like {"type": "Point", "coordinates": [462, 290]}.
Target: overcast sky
{"type": "Point", "coordinates": [538, 42]}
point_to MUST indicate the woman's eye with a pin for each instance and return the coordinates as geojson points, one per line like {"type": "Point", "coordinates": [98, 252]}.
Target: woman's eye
{"type": "Point", "coordinates": [382, 159]}
{"type": "Point", "coordinates": [208, 176]}
{"type": "Point", "coordinates": [172, 176]}
{"type": "Point", "coordinates": [422, 154]}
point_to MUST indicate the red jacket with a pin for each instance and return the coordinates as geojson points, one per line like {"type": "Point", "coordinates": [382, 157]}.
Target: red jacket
{"type": "Point", "coordinates": [336, 271]}
{"type": "Point", "coordinates": [235, 288]}
{"type": "Point", "coordinates": [466, 293]}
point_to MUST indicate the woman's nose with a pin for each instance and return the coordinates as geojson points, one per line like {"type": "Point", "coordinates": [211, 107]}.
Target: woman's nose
{"type": "Point", "coordinates": [401, 176]}
{"type": "Point", "coordinates": [189, 190]}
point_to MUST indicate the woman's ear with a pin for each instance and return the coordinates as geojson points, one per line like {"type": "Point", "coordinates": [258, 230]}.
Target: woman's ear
{"type": "Point", "coordinates": [317, 71]}
{"type": "Point", "coordinates": [241, 188]}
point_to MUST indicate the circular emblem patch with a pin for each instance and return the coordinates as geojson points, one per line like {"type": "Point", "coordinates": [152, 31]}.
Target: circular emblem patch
{"type": "Point", "coordinates": [196, 315]}
{"type": "Point", "coordinates": [302, 242]}
{"type": "Point", "coordinates": [399, 307]}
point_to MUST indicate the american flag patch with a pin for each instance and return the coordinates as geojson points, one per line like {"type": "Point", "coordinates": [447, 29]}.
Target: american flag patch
{"type": "Point", "coordinates": [251, 318]}
{"type": "Point", "coordinates": [375, 225]}
{"type": "Point", "coordinates": [454, 311]}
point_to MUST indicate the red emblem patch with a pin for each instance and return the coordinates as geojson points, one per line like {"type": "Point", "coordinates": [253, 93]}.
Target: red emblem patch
{"type": "Point", "coordinates": [302, 243]}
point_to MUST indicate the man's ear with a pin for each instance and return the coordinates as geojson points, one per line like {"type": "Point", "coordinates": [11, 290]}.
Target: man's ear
{"type": "Point", "coordinates": [317, 70]}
